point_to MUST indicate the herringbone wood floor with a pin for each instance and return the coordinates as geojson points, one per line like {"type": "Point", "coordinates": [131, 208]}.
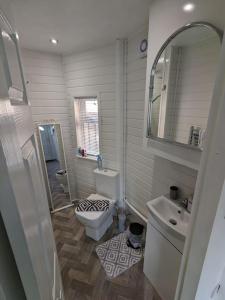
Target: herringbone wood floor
{"type": "Point", "coordinates": [82, 274]}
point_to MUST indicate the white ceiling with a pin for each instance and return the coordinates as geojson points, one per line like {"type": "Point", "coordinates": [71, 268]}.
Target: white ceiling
{"type": "Point", "coordinates": [77, 24]}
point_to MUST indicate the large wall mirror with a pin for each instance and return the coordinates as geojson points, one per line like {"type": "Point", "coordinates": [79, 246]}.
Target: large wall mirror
{"type": "Point", "coordinates": [54, 165]}
{"type": "Point", "coordinates": [181, 85]}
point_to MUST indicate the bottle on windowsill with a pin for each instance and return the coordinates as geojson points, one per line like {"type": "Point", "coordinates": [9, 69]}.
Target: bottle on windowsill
{"type": "Point", "coordinates": [99, 162]}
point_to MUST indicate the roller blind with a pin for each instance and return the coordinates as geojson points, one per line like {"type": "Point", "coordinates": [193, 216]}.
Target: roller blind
{"type": "Point", "coordinates": [87, 124]}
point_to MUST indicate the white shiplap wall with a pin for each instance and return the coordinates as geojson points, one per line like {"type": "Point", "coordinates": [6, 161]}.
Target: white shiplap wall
{"type": "Point", "coordinates": [92, 73]}
{"type": "Point", "coordinates": [147, 176]}
{"type": "Point", "coordinates": [46, 92]}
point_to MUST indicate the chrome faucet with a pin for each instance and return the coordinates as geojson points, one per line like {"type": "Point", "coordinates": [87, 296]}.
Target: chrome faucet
{"type": "Point", "coordinates": [184, 206]}
{"type": "Point", "coordinates": [184, 203]}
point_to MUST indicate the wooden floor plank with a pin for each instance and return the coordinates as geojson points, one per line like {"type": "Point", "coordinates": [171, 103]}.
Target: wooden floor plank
{"type": "Point", "coordinates": [82, 274]}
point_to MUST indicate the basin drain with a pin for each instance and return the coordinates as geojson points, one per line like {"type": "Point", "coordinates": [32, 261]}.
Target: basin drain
{"type": "Point", "coordinates": [173, 222]}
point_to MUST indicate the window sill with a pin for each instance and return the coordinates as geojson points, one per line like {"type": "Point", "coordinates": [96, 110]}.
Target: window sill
{"type": "Point", "coordinates": [88, 157]}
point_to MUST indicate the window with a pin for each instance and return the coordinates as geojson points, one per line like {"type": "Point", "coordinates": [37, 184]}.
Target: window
{"type": "Point", "coordinates": [87, 125]}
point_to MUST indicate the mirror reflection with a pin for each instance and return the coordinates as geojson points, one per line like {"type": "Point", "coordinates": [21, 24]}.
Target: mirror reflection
{"type": "Point", "coordinates": [55, 171]}
{"type": "Point", "coordinates": [181, 86]}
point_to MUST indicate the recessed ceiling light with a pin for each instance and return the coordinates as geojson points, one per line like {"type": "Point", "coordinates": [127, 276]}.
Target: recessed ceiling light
{"type": "Point", "coordinates": [5, 34]}
{"type": "Point", "coordinates": [54, 41]}
{"type": "Point", "coordinates": [189, 7]}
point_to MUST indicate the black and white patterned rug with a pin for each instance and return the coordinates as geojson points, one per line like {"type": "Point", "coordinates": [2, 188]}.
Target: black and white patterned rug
{"type": "Point", "coordinates": [116, 257]}
{"type": "Point", "coordinates": [93, 205]}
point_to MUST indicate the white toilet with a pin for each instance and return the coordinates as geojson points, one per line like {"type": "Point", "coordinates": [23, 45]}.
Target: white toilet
{"type": "Point", "coordinates": [97, 222]}
{"type": "Point", "coordinates": [61, 176]}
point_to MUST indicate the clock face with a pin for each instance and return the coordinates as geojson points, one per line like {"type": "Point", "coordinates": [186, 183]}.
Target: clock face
{"type": "Point", "coordinates": [143, 46]}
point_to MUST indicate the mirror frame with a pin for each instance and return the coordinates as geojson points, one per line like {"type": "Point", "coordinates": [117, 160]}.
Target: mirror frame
{"type": "Point", "coordinates": [42, 157]}
{"type": "Point", "coordinates": [151, 85]}
{"type": "Point", "coordinates": [17, 96]}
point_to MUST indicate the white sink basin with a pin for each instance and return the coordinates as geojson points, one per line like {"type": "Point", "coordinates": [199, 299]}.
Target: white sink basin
{"type": "Point", "coordinates": [170, 215]}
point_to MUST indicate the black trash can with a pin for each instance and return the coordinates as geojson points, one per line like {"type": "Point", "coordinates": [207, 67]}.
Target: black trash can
{"type": "Point", "coordinates": [135, 235]}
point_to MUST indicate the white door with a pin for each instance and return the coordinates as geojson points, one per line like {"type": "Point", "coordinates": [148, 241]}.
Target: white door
{"type": "Point", "coordinates": [24, 208]}
{"type": "Point", "coordinates": [23, 200]}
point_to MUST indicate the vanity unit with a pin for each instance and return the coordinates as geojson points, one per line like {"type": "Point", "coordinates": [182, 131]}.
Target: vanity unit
{"type": "Point", "coordinates": [180, 91]}
{"type": "Point", "coordinates": [166, 232]}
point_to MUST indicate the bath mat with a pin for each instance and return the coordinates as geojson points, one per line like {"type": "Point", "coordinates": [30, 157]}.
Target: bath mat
{"type": "Point", "coordinates": [116, 257]}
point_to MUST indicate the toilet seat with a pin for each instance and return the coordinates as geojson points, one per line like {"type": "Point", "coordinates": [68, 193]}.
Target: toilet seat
{"type": "Point", "coordinates": [95, 218]}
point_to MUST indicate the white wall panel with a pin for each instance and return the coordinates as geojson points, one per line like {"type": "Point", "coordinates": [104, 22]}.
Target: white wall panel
{"type": "Point", "coordinates": [46, 92]}
{"type": "Point", "coordinates": [147, 176]}
{"type": "Point", "coordinates": [92, 73]}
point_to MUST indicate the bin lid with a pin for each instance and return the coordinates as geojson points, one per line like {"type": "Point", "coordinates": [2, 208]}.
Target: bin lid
{"type": "Point", "coordinates": [136, 228]}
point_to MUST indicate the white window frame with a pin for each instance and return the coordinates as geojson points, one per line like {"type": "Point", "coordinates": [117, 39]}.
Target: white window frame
{"type": "Point", "coordinates": [86, 97]}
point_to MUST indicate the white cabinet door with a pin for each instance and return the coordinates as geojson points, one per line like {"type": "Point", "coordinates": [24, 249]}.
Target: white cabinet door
{"type": "Point", "coordinates": [161, 263]}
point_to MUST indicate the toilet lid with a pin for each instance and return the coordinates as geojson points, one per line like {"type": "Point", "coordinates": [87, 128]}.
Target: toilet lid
{"type": "Point", "coordinates": [93, 215]}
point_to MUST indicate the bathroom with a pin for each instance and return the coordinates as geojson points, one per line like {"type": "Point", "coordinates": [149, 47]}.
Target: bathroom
{"type": "Point", "coordinates": [98, 90]}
